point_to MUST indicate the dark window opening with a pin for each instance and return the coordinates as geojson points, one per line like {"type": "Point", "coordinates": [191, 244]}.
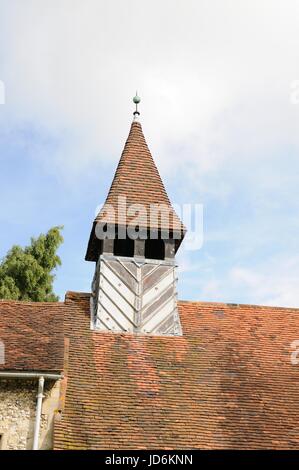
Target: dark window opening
{"type": "Point", "coordinates": [124, 247]}
{"type": "Point", "coordinates": [154, 249]}
{"type": "Point", "coordinates": [99, 247]}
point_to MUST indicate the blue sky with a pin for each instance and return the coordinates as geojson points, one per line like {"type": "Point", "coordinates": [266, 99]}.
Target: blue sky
{"type": "Point", "coordinates": [216, 81]}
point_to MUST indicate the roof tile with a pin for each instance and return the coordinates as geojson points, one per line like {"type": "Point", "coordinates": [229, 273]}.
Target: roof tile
{"type": "Point", "coordinates": [228, 382]}
{"type": "Point", "coordinates": [32, 334]}
{"type": "Point", "coordinates": [138, 179]}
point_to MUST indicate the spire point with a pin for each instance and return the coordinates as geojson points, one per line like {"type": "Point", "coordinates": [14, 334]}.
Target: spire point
{"type": "Point", "coordinates": [136, 100]}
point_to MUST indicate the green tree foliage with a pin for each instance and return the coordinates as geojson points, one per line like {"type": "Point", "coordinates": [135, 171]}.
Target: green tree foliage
{"type": "Point", "coordinates": [26, 273]}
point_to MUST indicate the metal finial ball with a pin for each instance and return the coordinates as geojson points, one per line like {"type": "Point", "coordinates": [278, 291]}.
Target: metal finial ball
{"type": "Point", "coordinates": [136, 99]}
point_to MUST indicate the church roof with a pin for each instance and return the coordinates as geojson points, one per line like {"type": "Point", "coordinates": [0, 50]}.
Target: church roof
{"type": "Point", "coordinates": [32, 336]}
{"type": "Point", "coordinates": [136, 182]}
{"type": "Point", "coordinates": [228, 382]}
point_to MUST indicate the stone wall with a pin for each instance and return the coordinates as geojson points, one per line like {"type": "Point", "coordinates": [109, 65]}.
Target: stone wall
{"type": "Point", "coordinates": [17, 413]}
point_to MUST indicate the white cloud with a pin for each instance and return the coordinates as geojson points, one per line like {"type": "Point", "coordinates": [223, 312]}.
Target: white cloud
{"type": "Point", "coordinates": [271, 282]}
{"type": "Point", "coordinates": [215, 79]}
{"type": "Point", "coordinates": [213, 75]}
{"type": "Point", "coordinates": [275, 283]}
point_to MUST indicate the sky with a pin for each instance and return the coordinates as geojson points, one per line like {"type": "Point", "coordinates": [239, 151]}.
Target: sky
{"type": "Point", "coordinates": [219, 84]}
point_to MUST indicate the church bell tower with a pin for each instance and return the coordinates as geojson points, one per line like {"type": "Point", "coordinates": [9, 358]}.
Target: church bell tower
{"type": "Point", "coordinates": [133, 242]}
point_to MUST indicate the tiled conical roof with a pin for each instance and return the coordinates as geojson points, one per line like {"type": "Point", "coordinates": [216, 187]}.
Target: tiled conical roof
{"type": "Point", "coordinates": [136, 185]}
{"type": "Point", "coordinates": [137, 181]}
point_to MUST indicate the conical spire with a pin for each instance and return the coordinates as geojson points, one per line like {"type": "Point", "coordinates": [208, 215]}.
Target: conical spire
{"type": "Point", "coordinates": [137, 179]}
{"type": "Point", "coordinates": [136, 182]}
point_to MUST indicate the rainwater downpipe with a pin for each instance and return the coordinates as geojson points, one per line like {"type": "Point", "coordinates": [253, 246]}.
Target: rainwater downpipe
{"type": "Point", "coordinates": [40, 396]}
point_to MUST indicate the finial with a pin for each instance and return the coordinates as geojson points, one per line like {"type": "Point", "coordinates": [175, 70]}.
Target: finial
{"type": "Point", "coordinates": [136, 100]}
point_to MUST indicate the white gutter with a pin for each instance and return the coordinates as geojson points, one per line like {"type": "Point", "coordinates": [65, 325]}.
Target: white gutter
{"type": "Point", "coordinates": [29, 375]}
{"type": "Point", "coordinates": [40, 395]}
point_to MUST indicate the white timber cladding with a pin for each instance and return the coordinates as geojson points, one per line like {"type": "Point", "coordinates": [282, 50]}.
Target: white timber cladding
{"type": "Point", "coordinates": [135, 295]}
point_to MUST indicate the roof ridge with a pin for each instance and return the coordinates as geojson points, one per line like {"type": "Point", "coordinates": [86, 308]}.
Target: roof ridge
{"type": "Point", "coordinates": [235, 305]}
{"type": "Point", "coordinates": [30, 302]}
{"type": "Point", "coordinates": [73, 294]}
